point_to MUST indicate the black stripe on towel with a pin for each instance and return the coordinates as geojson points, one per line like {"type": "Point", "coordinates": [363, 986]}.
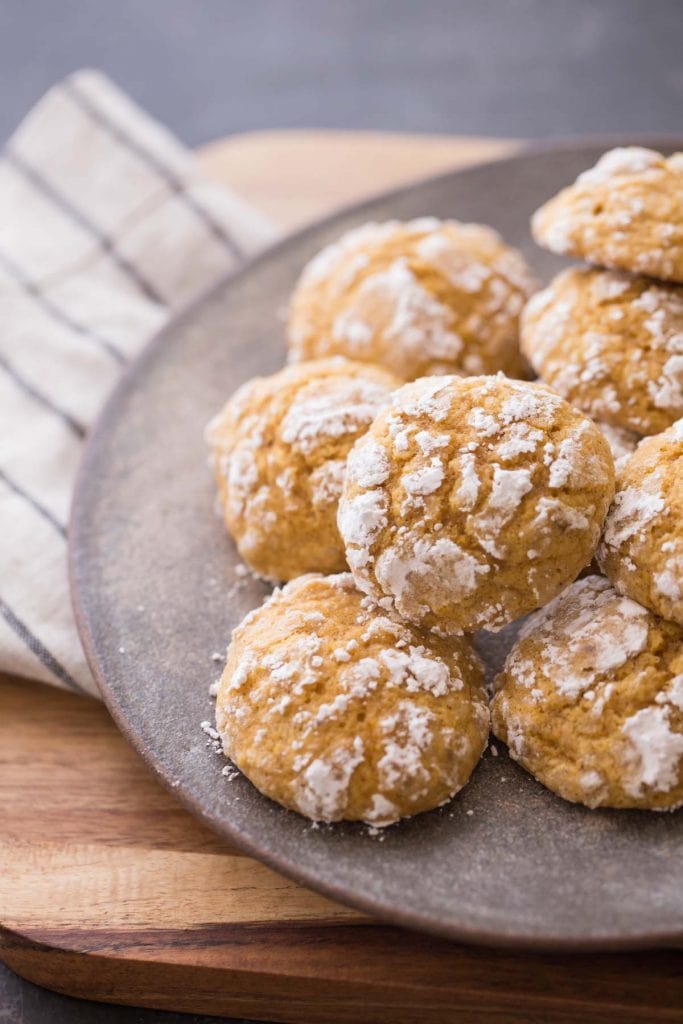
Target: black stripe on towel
{"type": "Point", "coordinates": [174, 183]}
{"type": "Point", "coordinates": [103, 240]}
{"type": "Point", "coordinates": [78, 428]}
{"type": "Point", "coordinates": [33, 502]}
{"type": "Point", "coordinates": [40, 650]}
{"type": "Point", "coordinates": [54, 311]}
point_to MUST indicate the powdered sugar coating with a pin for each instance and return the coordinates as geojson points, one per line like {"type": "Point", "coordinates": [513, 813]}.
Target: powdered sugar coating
{"type": "Point", "coordinates": [611, 344]}
{"type": "Point", "coordinates": [657, 751]}
{"type": "Point", "coordinates": [280, 447]}
{"type": "Point", "coordinates": [419, 297]}
{"type": "Point", "coordinates": [352, 714]}
{"type": "Point", "coordinates": [642, 546]}
{"type": "Point", "coordinates": [625, 213]}
{"type": "Point", "coordinates": [573, 649]}
{"type": "Point", "coordinates": [590, 700]}
{"type": "Point", "coordinates": [489, 522]}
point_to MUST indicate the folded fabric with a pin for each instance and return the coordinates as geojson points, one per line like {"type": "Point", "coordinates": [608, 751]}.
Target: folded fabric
{"type": "Point", "coordinates": [106, 226]}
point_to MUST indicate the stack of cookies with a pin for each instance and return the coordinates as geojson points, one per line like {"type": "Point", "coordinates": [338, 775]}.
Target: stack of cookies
{"type": "Point", "coordinates": [411, 486]}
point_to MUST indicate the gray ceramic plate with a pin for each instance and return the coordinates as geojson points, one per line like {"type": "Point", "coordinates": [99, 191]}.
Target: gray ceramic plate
{"type": "Point", "coordinates": [156, 593]}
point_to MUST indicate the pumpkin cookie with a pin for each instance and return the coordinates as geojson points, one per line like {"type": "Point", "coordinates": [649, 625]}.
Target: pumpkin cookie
{"type": "Point", "coordinates": [338, 710]}
{"type": "Point", "coordinates": [611, 344]}
{"type": "Point", "coordinates": [420, 297]}
{"type": "Point", "coordinates": [471, 501]}
{"type": "Point", "coordinates": [642, 547]}
{"type": "Point", "coordinates": [279, 452]}
{"type": "Point", "coordinates": [590, 700]}
{"type": "Point", "coordinates": [625, 213]}
{"type": "Point", "coordinates": [622, 443]}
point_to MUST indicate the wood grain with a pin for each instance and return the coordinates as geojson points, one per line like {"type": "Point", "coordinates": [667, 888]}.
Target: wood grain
{"type": "Point", "coordinates": [295, 177]}
{"type": "Point", "coordinates": [110, 890]}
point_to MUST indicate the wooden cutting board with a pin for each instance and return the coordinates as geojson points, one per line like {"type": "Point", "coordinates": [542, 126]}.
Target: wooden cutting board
{"type": "Point", "coordinates": [109, 890]}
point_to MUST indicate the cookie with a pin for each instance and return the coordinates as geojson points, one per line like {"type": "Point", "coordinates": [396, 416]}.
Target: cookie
{"type": "Point", "coordinates": [420, 297]}
{"type": "Point", "coordinates": [590, 700]}
{"type": "Point", "coordinates": [473, 500]}
{"type": "Point", "coordinates": [338, 710]}
{"type": "Point", "coordinates": [625, 213]}
{"type": "Point", "coordinates": [622, 443]}
{"type": "Point", "coordinates": [279, 451]}
{"type": "Point", "coordinates": [642, 547]}
{"type": "Point", "coordinates": [611, 344]}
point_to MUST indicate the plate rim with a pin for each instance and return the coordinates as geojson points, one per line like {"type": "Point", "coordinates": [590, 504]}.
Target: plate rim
{"type": "Point", "coordinates": [382, 911]}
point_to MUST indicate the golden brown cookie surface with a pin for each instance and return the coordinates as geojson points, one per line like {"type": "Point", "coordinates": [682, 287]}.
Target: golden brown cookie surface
{"type": "Point", "coordinates": [419, 297]}
{"type": "Point", "coordinates": [279, 450]}
{"type": "Point", "coordinates": [611, 344]}
{"type": "Point", "coordinates": [642, 547]}
{"type": "Point", "coordinates": [337, 710]}
{"type": "Point", "coordinates": [591, 700]}
{"type": "Point", "coordinates": [625, 213]}
{"type": "Point", "coordinates": [473, 500]}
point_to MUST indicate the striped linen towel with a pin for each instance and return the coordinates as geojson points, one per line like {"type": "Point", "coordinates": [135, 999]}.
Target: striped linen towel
{"type": "Point", "coordinates": [106, 227]}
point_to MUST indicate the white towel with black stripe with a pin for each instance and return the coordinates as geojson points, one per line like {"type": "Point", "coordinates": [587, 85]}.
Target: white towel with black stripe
{"type": "Point", "coordinates": [106, 226]}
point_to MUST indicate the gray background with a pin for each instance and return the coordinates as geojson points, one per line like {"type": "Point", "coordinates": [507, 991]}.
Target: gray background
{"type": "Point", "coordinates": [532, 68]}
{"type": "Point", "coordinates": [505, 67]}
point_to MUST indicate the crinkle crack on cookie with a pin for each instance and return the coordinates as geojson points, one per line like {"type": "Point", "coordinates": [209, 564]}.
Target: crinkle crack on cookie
{"type": "Point", "coordinates": [625, 213]}
{"type": "Point", "coordinates": [338, 710]}
{"type": "Point", "coordinates": [591, 700]}
{"type": "Point", "coordinates": [611, 344]}
{"type": "Point", "coordinates": [420, 297]}
{"type": "Point", "coordinates": [472, 501]}
{"type": "Point", "coordinates": [279, 452]}
{"type": "Point", "coordinates": [642, 547]}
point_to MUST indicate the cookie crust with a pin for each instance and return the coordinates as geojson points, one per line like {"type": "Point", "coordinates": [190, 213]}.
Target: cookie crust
{"type": "Point", "coordinates": [471, 501]}
{"type": "Point", "coordinates": [626, 213]}
{"type": "Point", "coordinates": [340, 711]}
{"type": "Point", "coordinates": [418, 297]}
{"type": "Point", "coordinates": [590, 700]}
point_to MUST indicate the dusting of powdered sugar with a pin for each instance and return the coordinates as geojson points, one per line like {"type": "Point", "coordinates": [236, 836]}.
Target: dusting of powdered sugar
{"type": "Point", "coordinates": [667, 391]}
{"type": "Point", "coordinates": [633, 510]}
{"type": "Point", "coordinates": [668, 581]}
{"type": "Point", "coordinates": [325, 263]}
{"type": "Point", "coordinates": [605, 215]}
{"type": "Point", "coordinates": [408, 734]}
{"type": "Point", "coordinates": [361, 519]}
{"type": "Point", "coordinates": [508, 489]}
{"type": "Point", "coordinates": [403, 546]}
{"type": "Point", "coordinates": [303, 684]}
{"type": "Point", "coordinates": [261, 452]}
{"type": "Point", "coordinates": [375, 272]}
{"type": "Point", "coordinates": [327, 481]}
{"type": "Point", "coordinates": [654, 752]}
{"type": "Point", "coordinates": [456, 264]}
{"type": "Point", "coordinates": [329, 409]}
{"type": "Point", "coordinates": [417, 669]}
{"type": "Point", "coordinates": [624, 160]}
{"type": "Point", "coordinates": [587, 632]}
{"type": "Point", "coordinates": [322, 788]}
{"type": "Point", "coordinates": [428, 396]}
{"type": "Point", "coordinates": [426, 479]}
{"type": "Point", "coordinates": [592, 324]}
{"type": "Point", "coordinates": [419, 323]}
{"type": "Point", "coordinates": [381, 811]}
{"type": "Point", "coordinates": [468, 488]}
{"type": "Point", "coordinates": [672, 693]}
{"type": "Point", "coordinates": [368, 464]}
{"type": "Point", "coordinates": [520, 439]}
{"type": "Point", "coordinates": [439, 570]}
